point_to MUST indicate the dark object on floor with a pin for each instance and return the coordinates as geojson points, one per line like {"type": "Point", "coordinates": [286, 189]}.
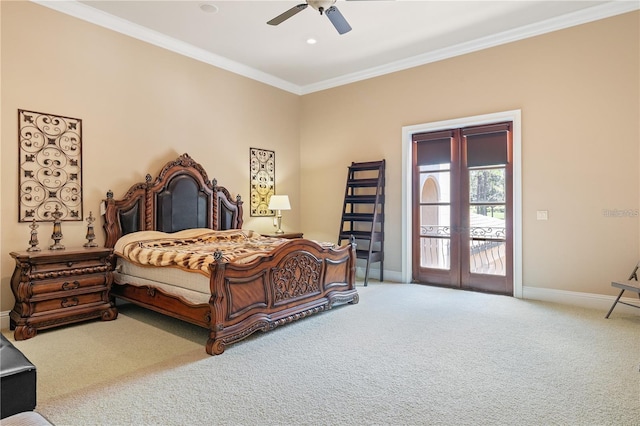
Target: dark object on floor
{"type": "Point", "coordinates": [17, 381]}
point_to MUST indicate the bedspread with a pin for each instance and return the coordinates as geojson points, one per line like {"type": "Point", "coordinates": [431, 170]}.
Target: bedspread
{"type": "Point", "coordinates": [193, 249]}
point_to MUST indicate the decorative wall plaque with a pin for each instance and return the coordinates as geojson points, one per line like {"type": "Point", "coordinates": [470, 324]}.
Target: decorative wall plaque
{"type": "Point", "coordinates": [50, 163]}
{"type": "Point", "coordinates": [263, 185]}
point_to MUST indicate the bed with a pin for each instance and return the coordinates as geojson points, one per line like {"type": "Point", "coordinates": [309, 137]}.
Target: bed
{"type": "Point", "coordinates": [231, 296]}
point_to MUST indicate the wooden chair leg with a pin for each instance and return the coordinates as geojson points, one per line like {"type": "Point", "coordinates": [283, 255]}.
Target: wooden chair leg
{"type": "Point", "coordinates": [616, 302]}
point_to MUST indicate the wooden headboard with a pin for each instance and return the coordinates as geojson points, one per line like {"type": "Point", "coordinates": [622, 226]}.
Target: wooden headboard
{"type": "Point", "coordinates": [181, 197]}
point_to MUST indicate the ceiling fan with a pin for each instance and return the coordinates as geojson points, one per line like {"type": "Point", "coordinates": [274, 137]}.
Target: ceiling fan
{"type": "Point", "coordinates": [325, 7]}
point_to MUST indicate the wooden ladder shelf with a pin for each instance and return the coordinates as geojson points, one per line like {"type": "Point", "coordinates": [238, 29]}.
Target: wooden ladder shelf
{"type": "Point", "coordinates": [363, 213]}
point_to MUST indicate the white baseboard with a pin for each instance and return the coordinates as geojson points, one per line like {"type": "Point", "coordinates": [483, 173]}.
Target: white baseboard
{"type": "Point", "coordinates": [374, 274]}
{"type": "Point", "coordinates": [586, 300]}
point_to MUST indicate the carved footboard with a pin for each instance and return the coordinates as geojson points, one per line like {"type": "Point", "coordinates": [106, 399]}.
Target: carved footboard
{"type": "Point", "coordinates": [300, 278]}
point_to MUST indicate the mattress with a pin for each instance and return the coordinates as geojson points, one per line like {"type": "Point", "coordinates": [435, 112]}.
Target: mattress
{"type": "Point", "coordinates": [187, 285]}
{"type": "Point", "coordinates": [178, 263]}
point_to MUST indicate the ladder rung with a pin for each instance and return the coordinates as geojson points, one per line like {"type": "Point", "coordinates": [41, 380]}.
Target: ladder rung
{"type": "Point", "coordinates": [376, 256]}
{"type": "Point", "coordinates": [371, 165]}
{"type": "Point", "coordinates": [363, 199]}
{"type": "Point", "coordinates": [359, 183]}
{"type": "Point", "coordinates": [372, 238]}
{"type": "Point", "coordinates": [361, 235]}
{"type": "Point", "coordinates": [361, 217]}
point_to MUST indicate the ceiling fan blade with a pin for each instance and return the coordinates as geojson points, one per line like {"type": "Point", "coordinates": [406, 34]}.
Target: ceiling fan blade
{"type": "Point", "coordinates": [337, 20]}
{"type": "Point", "coordinates": [288, 14]}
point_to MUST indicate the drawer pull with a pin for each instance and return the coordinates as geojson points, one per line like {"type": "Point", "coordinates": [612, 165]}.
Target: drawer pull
{"type": "Point", "coordinates": [70, 285]}
{"type": "Point", "coordinates": [67, 303]}
{"type": "Point", "coordinates": [69, 264]}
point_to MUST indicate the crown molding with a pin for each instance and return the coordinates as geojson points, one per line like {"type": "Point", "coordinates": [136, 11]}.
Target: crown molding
{"type": "Point", "coordinates": [591, 14]}
{"type": "Point", "coordinates": [114, 23]}
{"type": "Point", "coordinates": [97, 17]}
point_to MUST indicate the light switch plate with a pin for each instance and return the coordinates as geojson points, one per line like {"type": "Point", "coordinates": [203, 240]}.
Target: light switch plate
{"type": "Point", "coordinates": [542, 215]}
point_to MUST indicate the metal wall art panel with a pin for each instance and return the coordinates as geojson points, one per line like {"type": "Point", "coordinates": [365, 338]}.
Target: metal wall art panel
{"type": "Point", "coordinates": [263, 183]}
{"type": "Point", "coordinates": [50, 162]}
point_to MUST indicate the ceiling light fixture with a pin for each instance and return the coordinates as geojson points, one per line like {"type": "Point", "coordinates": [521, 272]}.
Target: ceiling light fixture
{"type": "Point", "coordinates": [208, 8]}
{"type": "Point", "coordinates": [311, 40]}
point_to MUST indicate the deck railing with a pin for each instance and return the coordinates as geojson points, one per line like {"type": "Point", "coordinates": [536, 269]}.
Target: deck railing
{"type": "Point", "coordinates": [487, 251]}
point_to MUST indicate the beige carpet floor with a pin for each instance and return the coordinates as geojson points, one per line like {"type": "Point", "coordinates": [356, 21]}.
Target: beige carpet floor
{"type": "Point", "coordinates": [406, 354]}
{"type": "Point", "coordinates": [74, 358]}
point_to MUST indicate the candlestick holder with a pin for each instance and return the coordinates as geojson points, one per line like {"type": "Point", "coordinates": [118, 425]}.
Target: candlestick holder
{"type": "Point", "coordinates": [57, 230]}
{"type": "Point", "coordinates": [90, 232]}
{"type": "Point", "coordinates": [33, 241]}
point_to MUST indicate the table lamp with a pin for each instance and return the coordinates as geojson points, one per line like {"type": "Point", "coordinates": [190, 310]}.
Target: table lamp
{"type": "Point", "coordinates": [279, 203]}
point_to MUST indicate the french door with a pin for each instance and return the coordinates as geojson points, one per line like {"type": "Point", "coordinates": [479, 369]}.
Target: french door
{"type": "Point", "coordinates": [462, 192]}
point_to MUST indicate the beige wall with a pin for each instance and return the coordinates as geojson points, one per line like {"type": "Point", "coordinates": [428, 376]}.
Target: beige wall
{"type": "Point", "coordinates": [578, 90]}
{"type": "Point", "coordinates": [141, 106]}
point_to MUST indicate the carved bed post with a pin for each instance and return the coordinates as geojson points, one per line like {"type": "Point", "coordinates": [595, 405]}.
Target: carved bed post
{"type": "Point", "coordinates": [109, 222]}
{"type": "Point", "coordinates": [215, 345]}
{"type": "Point", "coordinates": [149, 204]}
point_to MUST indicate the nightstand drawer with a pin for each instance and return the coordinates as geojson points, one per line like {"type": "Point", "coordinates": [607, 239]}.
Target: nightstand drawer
{"type": "Point", "coordinates": [70, 267]}
{"type": "Point", "coordinates": [68, 284]}
{"type": "Point", "coordinates": [68, 302]}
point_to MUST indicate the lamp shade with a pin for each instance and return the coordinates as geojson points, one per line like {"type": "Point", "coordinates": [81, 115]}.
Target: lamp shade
{"type": "Point", "coordinates": [279, 202]}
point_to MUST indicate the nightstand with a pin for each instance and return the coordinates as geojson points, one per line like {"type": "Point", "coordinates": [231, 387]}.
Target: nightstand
{"type": "Point", "coordinates": [56, 287]}
{"type": "Point", "coordinates": [287, 235]}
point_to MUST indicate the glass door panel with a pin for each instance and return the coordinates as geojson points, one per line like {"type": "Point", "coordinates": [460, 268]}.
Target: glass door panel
{"type": "Point", "coordinates": [435, 184]}
{"type": "Point", "coordinates": [435, 216]}
{"type": "Point", "coordinates": [487, 230]}
{"type": "Point", "coordinates": [487, 185]}
{"type": "Point", "coordinates": [487, 248]}
{"type": "Point", "coordinates": [435, 236]}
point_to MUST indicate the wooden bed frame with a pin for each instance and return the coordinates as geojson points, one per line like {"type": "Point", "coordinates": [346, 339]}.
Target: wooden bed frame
{"type": "Point", "coordinates": [299, 278]}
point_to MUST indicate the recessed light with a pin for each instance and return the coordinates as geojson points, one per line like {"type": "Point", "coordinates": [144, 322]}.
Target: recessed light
{"type": "Point", "coordinates": [208, 7]}
{"type": "Point", "coordinates": [311, 40]}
